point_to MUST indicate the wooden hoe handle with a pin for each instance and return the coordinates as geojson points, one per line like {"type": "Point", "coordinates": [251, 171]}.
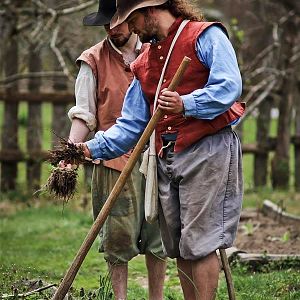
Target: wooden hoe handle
{"type": "Point", "coordinates": [92, 234]}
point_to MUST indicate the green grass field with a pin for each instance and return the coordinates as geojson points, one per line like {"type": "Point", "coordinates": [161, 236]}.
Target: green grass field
{"type": "Point", "coordinates": [40, 243]}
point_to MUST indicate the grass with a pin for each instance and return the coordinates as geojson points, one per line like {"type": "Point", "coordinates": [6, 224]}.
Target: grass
{"type": "Point", "coordinates": [43, 238]}
{"type": "Point", "coordinates": [284, 285]}
{"type": "Point", "coordinates": [40, 242]}
{"type": "Point", "coordinates": [45, 245]}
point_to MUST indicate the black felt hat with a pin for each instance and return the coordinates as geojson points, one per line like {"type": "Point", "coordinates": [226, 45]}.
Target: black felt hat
{"type": "Point", "coordinates": [106, 10]}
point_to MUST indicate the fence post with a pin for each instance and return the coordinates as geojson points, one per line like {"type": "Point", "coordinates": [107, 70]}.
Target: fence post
{"type": "Point", "coordinates": [60, 122]}
{"type": "Point", "coordinates": [9, 139]}
{"type": "Point", "coordinates": [34, 130]}
{"type": "Point", "coordinates": [262, 133]}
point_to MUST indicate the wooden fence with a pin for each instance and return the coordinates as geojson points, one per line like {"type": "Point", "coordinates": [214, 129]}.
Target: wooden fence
{"type": "Point", "coordinates": [10, 153]}
{"type": "Point", "coordinates": [34, 155]}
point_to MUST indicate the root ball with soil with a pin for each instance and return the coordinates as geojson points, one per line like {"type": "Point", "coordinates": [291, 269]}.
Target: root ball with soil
{"type": "Point", "coordinates": [68, 152]}
{"type": "Point", "coordinates": [63, 179]}
{"type": "Point", "coordinates": [62, 183]}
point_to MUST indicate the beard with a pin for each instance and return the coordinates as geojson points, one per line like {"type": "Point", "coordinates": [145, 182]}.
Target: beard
{"type": "Point", "coordinates": [120, 40]}
{"type": "Point", "coordinates": [150, 32]}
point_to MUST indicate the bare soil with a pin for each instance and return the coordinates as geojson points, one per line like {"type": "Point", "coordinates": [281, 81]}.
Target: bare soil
{"type": "Point", "coordinates": [260, 234]}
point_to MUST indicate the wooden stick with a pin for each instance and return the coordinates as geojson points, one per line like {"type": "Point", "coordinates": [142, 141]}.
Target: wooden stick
{"type": "Point", "coordinates": [92, 234]}
{"type": "Point", "coordinates": [28, 293]}
{"type": "Point", "coordinates": [229, 281]}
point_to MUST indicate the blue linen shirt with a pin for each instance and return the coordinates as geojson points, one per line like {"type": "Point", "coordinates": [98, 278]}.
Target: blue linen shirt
{"type": "Point", "coordinates": [223, 88]}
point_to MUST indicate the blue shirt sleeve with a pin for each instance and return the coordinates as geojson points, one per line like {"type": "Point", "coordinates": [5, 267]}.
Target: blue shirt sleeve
{"type": "Point", "coordinates": [224, 85]}
{"type": "Point", "coordinates": [122, 136]}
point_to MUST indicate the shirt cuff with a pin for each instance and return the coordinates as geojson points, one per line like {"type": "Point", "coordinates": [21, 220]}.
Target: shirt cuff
{"type": "Point", "coordinates": [189, 104]}
{"type": "Point", "coordinates": [93, 146]}
{"type": "Point", "coordinates": [86, 116]}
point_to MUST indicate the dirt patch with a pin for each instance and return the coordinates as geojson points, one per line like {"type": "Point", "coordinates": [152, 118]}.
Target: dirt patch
{"type": "Point", "coordinates": [258, 234]}
{"type": "Point", "coordinates": [7, 209]}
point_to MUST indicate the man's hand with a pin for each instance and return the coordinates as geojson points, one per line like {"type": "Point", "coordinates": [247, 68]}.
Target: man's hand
{"type": "Point", "coordinates": [170, 102]}
{"type": "Point", "coordinates": [86, 150]}
{"type": "Point", "coordinates": [64, 165]}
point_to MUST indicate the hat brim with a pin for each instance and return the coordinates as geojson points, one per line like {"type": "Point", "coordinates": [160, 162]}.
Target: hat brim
{"type": "Point", "coordinates": [97, 19]}
{"type": "Point", "coordinates": [120, 17]}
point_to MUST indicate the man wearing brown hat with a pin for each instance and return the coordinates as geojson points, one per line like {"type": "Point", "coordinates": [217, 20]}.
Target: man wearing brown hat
{"type": "Point", "coordinates": [198, 154]}
{"type": "Point", "coordinates": [101, 84]}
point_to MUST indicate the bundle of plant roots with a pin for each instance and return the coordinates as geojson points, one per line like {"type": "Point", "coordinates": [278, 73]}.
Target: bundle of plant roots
{"type": "Point", "coordinates": [68, 152]}
{"type": "Point", "coordinates": [63, 178]}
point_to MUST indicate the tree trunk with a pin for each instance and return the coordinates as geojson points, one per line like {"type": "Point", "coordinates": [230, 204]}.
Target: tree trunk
{"type": "Point", "coordinates": [281, 160]}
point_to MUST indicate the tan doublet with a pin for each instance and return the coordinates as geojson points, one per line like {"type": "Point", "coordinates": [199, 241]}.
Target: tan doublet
{"type": "Point", "coordinates": [102, 59]}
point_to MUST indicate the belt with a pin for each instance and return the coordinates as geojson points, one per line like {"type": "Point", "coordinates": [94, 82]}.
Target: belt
{"type": "Point", "coordinates": [169, 137]}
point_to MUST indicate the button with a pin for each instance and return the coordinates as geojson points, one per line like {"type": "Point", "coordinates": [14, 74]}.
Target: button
{"type": "Point", "coordinates": [159, 47]}
{"type": "Point", "coordinates": [161, 58]}
{"type": "Point", "coordinates": [165, 80]}
{"type": "Point", "coordinates": [165, 116]}
{"type": "Point", "coordinates": [169, 128]}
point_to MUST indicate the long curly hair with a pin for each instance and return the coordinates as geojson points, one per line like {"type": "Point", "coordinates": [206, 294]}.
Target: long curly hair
{"type": "Point", "coordinates": [181, 8]}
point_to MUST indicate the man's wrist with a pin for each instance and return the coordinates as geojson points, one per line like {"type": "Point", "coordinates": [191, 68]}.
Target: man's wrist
{"type": "Point", "coordinates": [86, 151]}
{"type": "Point", "coordinates": [183, 109]}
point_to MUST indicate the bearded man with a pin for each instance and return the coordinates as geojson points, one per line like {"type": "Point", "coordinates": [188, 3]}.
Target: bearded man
{"type": "Point", "coordinates": [102, 81]}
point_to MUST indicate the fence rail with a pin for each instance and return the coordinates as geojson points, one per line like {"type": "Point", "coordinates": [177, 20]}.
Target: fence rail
{"type": "Point", "coordinates": [60, 98]}
{"type": "Point", "coordinates": [21, 156]}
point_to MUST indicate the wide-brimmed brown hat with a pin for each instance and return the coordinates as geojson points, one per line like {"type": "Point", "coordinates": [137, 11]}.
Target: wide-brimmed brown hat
{"type": "Point", "coordinates": [126, 7]}
{"type": "Point", "coordinates": [106, 10]}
